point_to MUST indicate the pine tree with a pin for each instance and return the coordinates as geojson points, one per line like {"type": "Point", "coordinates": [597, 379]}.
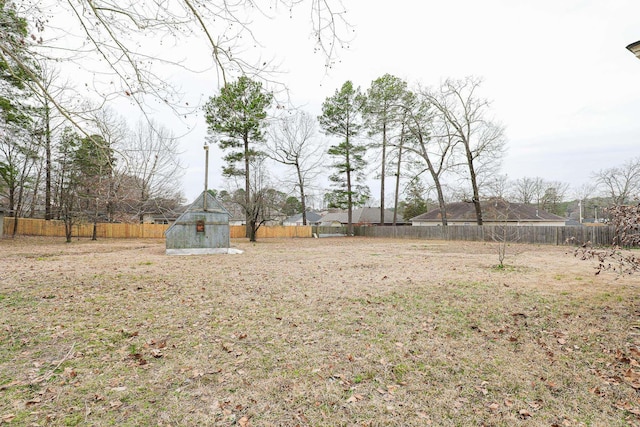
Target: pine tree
{"type": "Point", "coordinates": [341, 117]}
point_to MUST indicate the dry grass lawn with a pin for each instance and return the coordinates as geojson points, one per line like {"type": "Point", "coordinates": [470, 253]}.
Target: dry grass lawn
{"type": "Point", "coordinates": [314, 332]}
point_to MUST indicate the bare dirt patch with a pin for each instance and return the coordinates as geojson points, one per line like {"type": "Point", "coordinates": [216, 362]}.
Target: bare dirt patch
{"type": "Point", "coordinates": [318, 332]}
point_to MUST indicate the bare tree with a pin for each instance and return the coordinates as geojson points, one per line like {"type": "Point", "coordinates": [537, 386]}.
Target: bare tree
{"type": "Point", "coordinates": [260, 206]}
{"type": "Point", "coordinates": [554, 194]}
{"type": "Point", "coordinates": [621, 183]}
{"type": "Point", "coordinates": [526, 189]}
{"type": "Point", "coordinates": [110, 133]}
{"type": "Point", "coordinates": [19, 154]}
{"type": "Point", "coordinates": [130, 48]}
{"type": "Point", "coordinates": [480, 139]}
{"type": "Point", "coordinates": [497, 185]}
{"type": "Point", "coordinates": [431, 141]}
{"type": "Point", "coordinates": [503, 233]}
{"type": "Point", "coordinates": [292, 143]}
{"type": "Point", "coordinates": [151, 172]}
{"type": "Point", "coordinates": [49, 123]}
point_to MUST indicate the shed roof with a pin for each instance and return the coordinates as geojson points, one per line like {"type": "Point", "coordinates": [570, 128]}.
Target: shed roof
{"type": "Point", "coordinates": [198, 205]}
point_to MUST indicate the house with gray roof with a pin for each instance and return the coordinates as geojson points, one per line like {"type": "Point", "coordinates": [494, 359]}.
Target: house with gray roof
{"type": "Point", "coordinates": [313, 218]}
{"type": "Point", "coordinates": [495, 211]}
{"type": "Point", "coordinates": [360, 216]}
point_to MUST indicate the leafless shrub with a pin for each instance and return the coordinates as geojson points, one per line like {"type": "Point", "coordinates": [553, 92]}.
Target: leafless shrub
{"type": "Point", "coordinates": [619, 257]}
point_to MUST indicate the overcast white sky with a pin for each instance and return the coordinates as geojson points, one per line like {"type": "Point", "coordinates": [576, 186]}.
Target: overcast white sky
{"type": "Point", "coordinates": [562, 82]}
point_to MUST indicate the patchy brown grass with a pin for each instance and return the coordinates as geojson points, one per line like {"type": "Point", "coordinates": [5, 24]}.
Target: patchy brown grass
{"type": "Point", "coordinates": [314, 332]}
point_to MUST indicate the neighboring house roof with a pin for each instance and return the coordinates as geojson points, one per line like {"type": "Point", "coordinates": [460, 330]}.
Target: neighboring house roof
{"type": "Point", "coordinates": [493, 210]}
{"type": "Point", "coordinates": [236, 212]}
{"type": "Point", "coordinates": [312, 218]}
{"type": "Point", "coordinates": [361, 216]}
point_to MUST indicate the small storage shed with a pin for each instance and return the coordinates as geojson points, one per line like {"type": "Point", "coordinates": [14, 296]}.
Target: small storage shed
{"type": "Point", "coordinates": [202, 229]}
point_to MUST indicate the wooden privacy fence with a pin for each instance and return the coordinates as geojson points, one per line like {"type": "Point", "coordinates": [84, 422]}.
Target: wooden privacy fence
{"type": "Point", "coordinates": [597, 235]}
{"type": "Point", "coordinates": [271, 231]}
{"type": "Point", "coordinates": [53, 228]}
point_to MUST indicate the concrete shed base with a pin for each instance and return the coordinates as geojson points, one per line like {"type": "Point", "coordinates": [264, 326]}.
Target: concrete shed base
{"type": "Point", "coordinates": [203, 251]}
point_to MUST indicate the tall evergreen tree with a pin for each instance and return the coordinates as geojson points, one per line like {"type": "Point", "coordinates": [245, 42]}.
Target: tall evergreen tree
{"type": "Point", "coordinates": [383, 112]}
{"type": "Point", "coordinates": [341, 117]}
{"type": "Point", "coordinates": [238, 114]}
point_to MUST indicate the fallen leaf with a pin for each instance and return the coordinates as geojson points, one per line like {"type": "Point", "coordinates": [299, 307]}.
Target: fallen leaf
{"type": "Point", "coordinates": [7, 418]}
{"type": "Point", "coordinates": [633, 378]}
{"type": "Point", "coordinates": [244, 422]}
{"type": "Point", "coordinates": [494, 406]}
{"type": "Point", "coordinates": [115, 404]}
{"type": "Point", "coordinates": [33, 401]}
{"type": "Point", "coordinates": [524, 414]}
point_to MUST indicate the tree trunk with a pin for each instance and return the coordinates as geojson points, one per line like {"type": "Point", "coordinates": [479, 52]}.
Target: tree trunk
{"type": "Point", "coordinates": [474, 185]}
{"type": "Point", "coordinates": [15, 226]}
{"type": "Point", "coordinates": [349, 196]}
{"type": "Point", "coordinates": [68, 228]}
{"type": "Point", "coordinates": [247, 196]}
{"type": "Point", "coordinates": [303, 200]}
{"type": "Point", "coordinates": [441, 203]}
{"type": "Point", "coordinates": [398, 170]}
{"type": "Point", "coordinates": [47, 185]}
{"type": "Point", "coordinates": [383, 171]}
{"type": "Point", "coordinates": [252, 230]}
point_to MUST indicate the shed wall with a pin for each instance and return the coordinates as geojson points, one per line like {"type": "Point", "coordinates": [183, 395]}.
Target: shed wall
{"type": "Point", "coordinates": [183, 234]}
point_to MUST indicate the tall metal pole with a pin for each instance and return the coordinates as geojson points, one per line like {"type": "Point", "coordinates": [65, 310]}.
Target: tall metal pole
{"type": "Point", "coordinates": [206, 176]}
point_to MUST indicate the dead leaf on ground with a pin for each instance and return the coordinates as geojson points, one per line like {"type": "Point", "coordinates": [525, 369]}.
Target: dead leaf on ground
{"type": "Point", "coordinates": [524, 414]}
{"type": "Point", "coordinates": [33, 401]}
{"type": "Point", "coordinates": [7, 418]}
{"type": "Point", "coordinates": [633, 378]}
{"type": "Point", "coordinates": [354, 398]}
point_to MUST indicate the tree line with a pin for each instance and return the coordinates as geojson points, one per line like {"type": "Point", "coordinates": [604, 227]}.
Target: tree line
{"type": "Point", "coordinates": [431, 145]}
{"type": "Point", "coordinates": [429, 141]}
